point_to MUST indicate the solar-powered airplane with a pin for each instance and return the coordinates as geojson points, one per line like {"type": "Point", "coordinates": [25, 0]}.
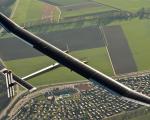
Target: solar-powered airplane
{"type": "Point", "coordinates": [74, 64]}
{"type": "Point", "coordinates": [12, 79]}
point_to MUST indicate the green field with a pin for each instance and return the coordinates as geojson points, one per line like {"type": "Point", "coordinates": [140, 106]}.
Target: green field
{"type": "Point", "coordinates": [96, 57]}
{"type": "Point", "coordinates": [128, 5]}
{"type": "Point", "coordinates": [30, 10]}
{"type": "Point", "coordinates": [136, 30]}
{"type": "Point", "coordinates": [85, 11]}
{"type": "Point", "coordinates": [67, 2]}
{"type": "Point", "coordinates": [138, 34]}
{"type": "Point", "coordinates": [27, 10]}
{"type": "Point", "coordinates": [142, 117]}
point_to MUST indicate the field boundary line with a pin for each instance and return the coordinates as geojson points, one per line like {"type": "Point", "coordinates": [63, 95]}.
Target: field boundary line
{"type": "Point", "coordinates": [106, 45]}
{"type": "Point", "coordinates": [59, 17]}
{"type": "Point", "coordinates": [14, 9]}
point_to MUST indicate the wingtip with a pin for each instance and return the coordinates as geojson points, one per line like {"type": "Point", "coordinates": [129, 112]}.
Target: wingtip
{"type": "Point", "coordinates": [33, 89]}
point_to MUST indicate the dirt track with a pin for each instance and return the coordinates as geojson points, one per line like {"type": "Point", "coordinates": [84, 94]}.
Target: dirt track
{"type": "Point", "coordinates": [119, 50]}
{"type": "Point", "coordinates": [76, 39]}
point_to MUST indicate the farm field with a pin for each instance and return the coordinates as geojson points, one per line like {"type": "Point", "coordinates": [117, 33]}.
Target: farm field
{"type": "Point", "coordinates": [84, 11]}
{"type": "Point", "coordinates": [96, 57]}
{"type": "Point", "coordinates": [138, 40]}
{"type": "Point", "coordinates": [65, 8]}
{"type": "Point", "coordinates": [71, 8]}
{"type": "Point", "coordinates": [39, 29]}
{"type": "Point", "coordinates": [119, 50]}
{"type": "Point", "coordinates": [84, 45]}
{"type": "Point", "coordinates": [137, 32]}
{"type": "Point", "coordinates": [27, 11]}
{"type": "Point", "coordinates": [142, 117]}
{"type": "Point", "coordinates": [65, 2]}
{"type": "Point", "coordinates": [128, 5]}
{"type": "Point", "coordinates": [74, 39]}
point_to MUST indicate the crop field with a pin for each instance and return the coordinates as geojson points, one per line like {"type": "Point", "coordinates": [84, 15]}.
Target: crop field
{"type": "Point", "coordinates": [85, 44]}
{"type": "Point", "coordinates": [79, 6]}
{"type": "Point", "coordinates": [138, 35]}
{"type": "Point", "coordinates": [119, 50]}
{"type": "Point", "coordinates": [142, 117]}
{"type": "Point", "coordinates": [75, 39]}
{"type": "Point", "coordinates": [27, 10]}
{"type": "Point", "coordinates": [70, 8]}
{"type": "Point", "coordinates": [138, 40]}
{"type": "Point", "coordinates": [64, 2]}
{"type": "Point", "coordinates": [88, 10]}
{"type": "Point", "coordinates": [128, 5]}
{"type": "Point", "coordinates": [136, 31]}
{"type": "Point", "coordinates": [96, 57]}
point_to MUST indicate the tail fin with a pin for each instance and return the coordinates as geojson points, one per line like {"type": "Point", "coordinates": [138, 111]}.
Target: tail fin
{"type": "Point", "coordinates": [9, 83]}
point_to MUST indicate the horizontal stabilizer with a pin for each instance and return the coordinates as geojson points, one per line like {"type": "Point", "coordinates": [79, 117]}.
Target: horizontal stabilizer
{"type": "Point", "coordinates": [9, 81]}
